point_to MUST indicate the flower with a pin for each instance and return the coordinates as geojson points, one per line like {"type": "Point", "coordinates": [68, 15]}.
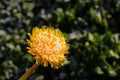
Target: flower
{"type": "Point", "coordinates": [48, 46]}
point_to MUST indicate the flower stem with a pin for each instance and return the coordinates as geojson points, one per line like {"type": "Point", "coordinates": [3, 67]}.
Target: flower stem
{"type": "Point", "coordinates": [29, 72]}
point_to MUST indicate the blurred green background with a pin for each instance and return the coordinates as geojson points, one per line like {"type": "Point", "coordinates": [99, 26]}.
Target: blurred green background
{"type": "Point", "coordinates": [91, 27]}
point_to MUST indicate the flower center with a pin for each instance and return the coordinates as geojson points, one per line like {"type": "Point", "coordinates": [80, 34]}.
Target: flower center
{"type": "Point", "coordinates": [48, 43]}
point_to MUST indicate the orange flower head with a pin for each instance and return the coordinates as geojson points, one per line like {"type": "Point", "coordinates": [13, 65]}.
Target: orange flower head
{"type": "Point", "coordinates": [48, 46]}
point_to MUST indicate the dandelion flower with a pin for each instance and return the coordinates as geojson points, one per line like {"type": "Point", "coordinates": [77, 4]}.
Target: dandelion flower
{"type": "Point", "coordinates": [48, 46]}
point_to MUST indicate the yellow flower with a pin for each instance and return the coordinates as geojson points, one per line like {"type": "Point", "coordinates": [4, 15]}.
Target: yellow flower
{"type": "Point", "coordinates": [48, 46]}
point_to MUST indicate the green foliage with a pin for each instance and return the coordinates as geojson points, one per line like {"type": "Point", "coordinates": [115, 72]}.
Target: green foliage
{"type": "Point", "coordinates": [98, 54]}
{"type": "Point", "coordinates": [91, 27]}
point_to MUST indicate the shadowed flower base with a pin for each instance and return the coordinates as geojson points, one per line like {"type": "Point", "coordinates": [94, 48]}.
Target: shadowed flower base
{"type": "Point", "coordinates": [29, 72]}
